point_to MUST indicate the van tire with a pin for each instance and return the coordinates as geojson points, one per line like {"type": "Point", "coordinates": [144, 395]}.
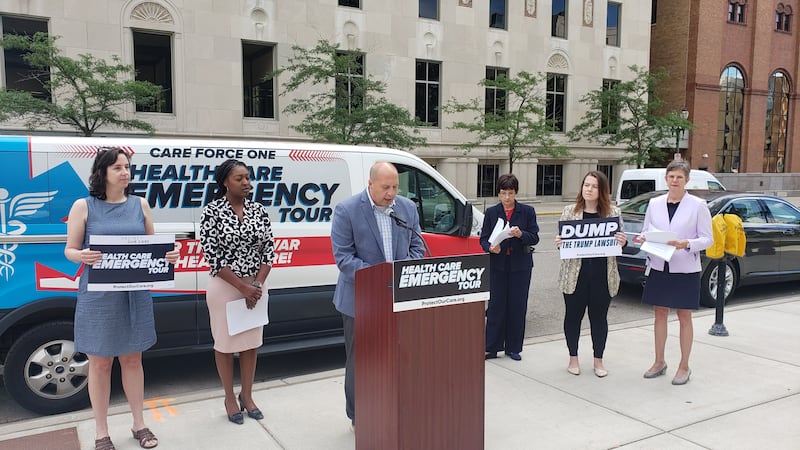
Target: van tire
{"type": "Point", "coordinates": [708, 284]}
{"type": "Point", "coordinates": [44, 374]}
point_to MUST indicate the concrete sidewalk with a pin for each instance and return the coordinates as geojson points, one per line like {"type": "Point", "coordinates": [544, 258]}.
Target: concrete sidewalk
{"type": "Point", "coordinates": [743, 394]}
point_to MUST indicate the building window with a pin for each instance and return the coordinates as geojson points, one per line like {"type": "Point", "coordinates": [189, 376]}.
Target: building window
{"type": "Point", "coordinates": [495, 97]}
{"type": "Point", "coordinates": [152, 56]}
{"type": "Point", "coordinates": [559, 19]}
{"type": "Point", "coordinates": [488, 174]}
{"type": "Point", "coordinates": [608, 171]}
{"type": "Point", "coordinates": [736, 11]}
{"type": "Point", "coordinates": [556, 100]}
{"type": "Point", "coordinates": [777, 124]}
{"type": "Point", "coordinates": [349, 81]}
{"type": "Point", "coordinates": [783, 17]}
{"type": "Point", "coordinates": [609, 118]}
{"type": "Point", "coordinates": [259, 92]}
{"type": "Point", "coordinates": [350, 3]}
{"type": "Point", "coordinates": [548, 179]}
{"type": "Point", "coordinates": [731, 113]}
{"type": "Point", "coordinates": [19, 75]}
{"type": "Point", "coordinates": [427, 92]}
{"type": "Point", "coordinates": [429, 9]}
{"type": "Point", "coordinates": [653, 12]}
{"type": "Point", "coordinates": [613, 20]}
{"type": "Point", "coordinates": [497, 14]}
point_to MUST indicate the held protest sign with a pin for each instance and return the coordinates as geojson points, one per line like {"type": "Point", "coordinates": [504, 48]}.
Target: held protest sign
{"type": "Point", "coordinates": [589, 238]}
{"type": "Point", "coordinates": [132, 263]}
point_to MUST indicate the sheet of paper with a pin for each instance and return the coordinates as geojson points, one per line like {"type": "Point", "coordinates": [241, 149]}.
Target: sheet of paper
{"type": "Point", "coordinates": [500, 233]}
{"type": "Point", "coordinates": [242, 319]}
{"type": "Point", "coordinates": [662, 251]}
{"type": "Point", "coordinates": [660, 237]}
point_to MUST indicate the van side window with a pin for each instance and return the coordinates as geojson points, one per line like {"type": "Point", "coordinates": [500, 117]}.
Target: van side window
{"type": "Point", "coordinates": [632, 188]}
{"type": "Point", "coordinates": [436, 207]}
{"type": "Point", "coordinates": [714, 186]}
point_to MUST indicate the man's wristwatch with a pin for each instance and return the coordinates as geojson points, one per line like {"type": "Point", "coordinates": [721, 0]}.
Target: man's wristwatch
{"type": "Point", "coordinates": [256, 283]}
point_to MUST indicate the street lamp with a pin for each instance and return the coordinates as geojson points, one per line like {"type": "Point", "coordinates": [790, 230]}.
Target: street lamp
{"type": "Point", "coordinates": [678, 129]}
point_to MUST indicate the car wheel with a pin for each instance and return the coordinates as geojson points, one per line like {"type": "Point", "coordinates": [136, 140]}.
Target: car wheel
{"type": "Point", "coordinates": [710, 281]}
{"type": "Point", "coordinates": [44, 373]}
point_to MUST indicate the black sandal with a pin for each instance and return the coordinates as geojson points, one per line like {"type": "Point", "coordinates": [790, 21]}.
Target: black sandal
{"type": "Point", "coordinates": [143, 436]}
{"type": "Point", "coordinates": [104, 444]}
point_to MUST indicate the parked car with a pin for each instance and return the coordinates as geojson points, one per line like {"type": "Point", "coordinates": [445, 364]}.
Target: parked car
{"type": "Point", "coordinates": [772, 254]}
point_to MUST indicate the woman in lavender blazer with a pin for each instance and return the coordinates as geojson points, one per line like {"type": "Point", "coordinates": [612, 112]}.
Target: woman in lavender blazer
{"type": "Point", "coordinates": [676, 284]}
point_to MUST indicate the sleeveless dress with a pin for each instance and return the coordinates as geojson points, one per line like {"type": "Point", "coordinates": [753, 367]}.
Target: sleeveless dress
{"type": "Point", "coordinates": [110, 324]}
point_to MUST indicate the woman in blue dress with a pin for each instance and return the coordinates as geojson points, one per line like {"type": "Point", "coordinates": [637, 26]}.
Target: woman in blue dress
{"type": "Point", "coordinates": [112, 324]}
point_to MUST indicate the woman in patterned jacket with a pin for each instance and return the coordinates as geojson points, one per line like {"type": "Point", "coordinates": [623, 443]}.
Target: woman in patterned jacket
{"type": "Point", "coordinates": [236, 236]}
{"type": "Point", "coordinates": [589, 282]}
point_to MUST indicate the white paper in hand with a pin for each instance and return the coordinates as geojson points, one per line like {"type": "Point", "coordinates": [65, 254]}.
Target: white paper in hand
{"type": "Point", "coordinates": [662, 251]}
{"type": "Point", "coordinates": [500, 233]}
{"type": "Point", "coordinates": [660, 237]}
{"type": "Point", "coordinates": [242, 319]}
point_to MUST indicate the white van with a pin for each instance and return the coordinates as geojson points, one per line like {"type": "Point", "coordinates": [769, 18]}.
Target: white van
{"type": "Point", "coordinates": [633, 182]}
{"type": "Point", "coordinates": [300, 184]}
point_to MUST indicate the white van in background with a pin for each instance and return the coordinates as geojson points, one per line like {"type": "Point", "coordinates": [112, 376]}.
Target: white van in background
{"type": "Point", "coordinates": [299, 183]}
{"type": "Point", "coordinates": [634, 182]}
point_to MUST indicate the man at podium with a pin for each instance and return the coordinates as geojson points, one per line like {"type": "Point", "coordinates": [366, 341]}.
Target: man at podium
{"type": "Point", "coordinates": [366, 230]}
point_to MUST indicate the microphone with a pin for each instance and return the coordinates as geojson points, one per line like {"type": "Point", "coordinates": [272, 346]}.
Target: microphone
{"type": "Point", "coordinates": [390, 212]}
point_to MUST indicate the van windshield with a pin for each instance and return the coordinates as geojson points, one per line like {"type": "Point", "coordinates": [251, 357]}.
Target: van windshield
{"type": "Point", "coordinates": [632, 188]}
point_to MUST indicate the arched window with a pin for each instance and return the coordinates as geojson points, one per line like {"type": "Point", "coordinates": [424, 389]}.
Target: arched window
{"type": "Point", "coordinates": [777, 123]}
{"type": "Point", "coordinates": [729, 132]}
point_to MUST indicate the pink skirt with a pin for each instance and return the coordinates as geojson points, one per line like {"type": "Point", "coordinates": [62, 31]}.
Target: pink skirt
{"type": "Point", "coordinates": [218, 294]}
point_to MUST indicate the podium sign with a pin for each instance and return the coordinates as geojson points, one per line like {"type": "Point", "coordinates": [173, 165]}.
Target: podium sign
{"type": "Point", "coordinates": [450, 280]}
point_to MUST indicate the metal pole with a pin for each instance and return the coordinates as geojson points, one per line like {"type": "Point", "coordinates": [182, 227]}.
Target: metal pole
{"type": "Point", "coordinates": [718, 329]}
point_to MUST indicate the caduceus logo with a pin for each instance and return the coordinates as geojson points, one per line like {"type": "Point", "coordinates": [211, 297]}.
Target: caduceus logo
{"type": "Point", "coordinates": [22, 205]}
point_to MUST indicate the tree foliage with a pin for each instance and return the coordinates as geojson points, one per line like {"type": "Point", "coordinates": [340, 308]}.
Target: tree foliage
{"type": "Point", "coordinates": [351, 108]}
{"type": "Point", "coordinates": [87, 92]}
{"type": "Point", "coordinates": [521, 129]}
{"type": "Point", "coordinates": [629, 113]}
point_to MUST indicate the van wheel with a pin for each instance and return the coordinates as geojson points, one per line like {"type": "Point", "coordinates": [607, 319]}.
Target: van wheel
{"type": "Point", "coordinates": [44, 373]}
{"type": "Point", "coordinates": [710, 281]}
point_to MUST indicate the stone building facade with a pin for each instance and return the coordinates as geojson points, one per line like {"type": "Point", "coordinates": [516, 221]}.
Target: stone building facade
{"type": "Point", "coordinates": [210, 56]}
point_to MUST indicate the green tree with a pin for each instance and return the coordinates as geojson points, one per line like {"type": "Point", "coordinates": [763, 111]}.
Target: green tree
{"type": "Point", "coordinates": [516, 124]}
{"type": "Point", "coordinates": [350, 109]}
{"type": "Point", "coordinates": [87, 92]}
{"type": "Point", "coordinates": [629, 113]}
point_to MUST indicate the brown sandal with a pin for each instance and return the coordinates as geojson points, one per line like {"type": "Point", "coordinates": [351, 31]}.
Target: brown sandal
{"type": "Point", "coordinates": [145, 435]}
{"type": "Point", "coordinates": [104, 444]}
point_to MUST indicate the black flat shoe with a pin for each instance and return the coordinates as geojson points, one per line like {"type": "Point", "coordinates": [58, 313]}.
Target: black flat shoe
{"type": "Point", "coordinates": [490, 355]}
{"type": "Point", "coordinates": [254, 414]}
{"type": "Point", "coordinates": [514, 356]}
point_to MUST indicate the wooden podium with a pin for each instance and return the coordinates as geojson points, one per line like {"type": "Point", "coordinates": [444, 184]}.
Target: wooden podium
{"type": "Point", "coordinates": [419, 374]}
